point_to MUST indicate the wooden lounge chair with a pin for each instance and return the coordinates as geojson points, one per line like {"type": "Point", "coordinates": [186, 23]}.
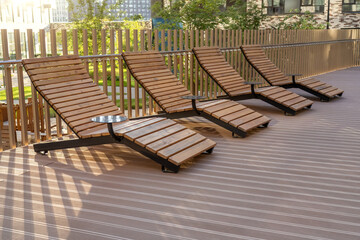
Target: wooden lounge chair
{"type": "Point", "coordinates": [65, 84]}
{"type": "Point", "coordinates": [234, 86]}
{"type": "Point", "coordinates": [150, 70]}
{"type": "Point", "coordinates": [257, 58]}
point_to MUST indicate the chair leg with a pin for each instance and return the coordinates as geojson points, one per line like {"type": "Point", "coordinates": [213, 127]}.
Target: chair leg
{"type": "Point", "coordinates": [167, 170]}
{"type": "Point", "coordinates": [209, 151]}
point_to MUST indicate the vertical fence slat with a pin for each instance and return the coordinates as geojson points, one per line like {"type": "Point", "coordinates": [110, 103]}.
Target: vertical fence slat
{"type": "Point", "coordinates": [85, 48]}
{"type": "Point", "coordinates": [181, 57]}
{"type": "Point", "coordinates": [65, 52]}
{"type": "Point", "coordinates": [128, 75]}
{"type": "Point", "coordinates": [35, 104]}
{"type": "Point", "coordinates": [54, 53]}
{"type": "Point", "coordinates": [186, 46]}
{"type": "Point", "coordinates": [191, 82]}
{"type": "Point", "coordinates": [22, 104]}
{"type": "Point", "coordinates": [103, 61]}
{"type": "Point", "coordinates": [143, 94]}
{"type": "Point", "coordinates": [135, 46]}
{"type": "Point", "coordinates": [112, 66]}
{"type": "Point", "coordinates": [149, 47]}
{"type": "Point", "coordinates": [196, 89]}
{"type": "Point", "coordinates": [46, 105]}
{"type": "Point", "coordinates": [121, 70]}
{"type": "Point", "coordinates": [8, 90]}
{"type": "Point", "coordinates": [95, 61]}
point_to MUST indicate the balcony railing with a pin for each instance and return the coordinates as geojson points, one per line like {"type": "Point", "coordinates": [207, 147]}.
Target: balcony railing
{"type": "Point", "coordinates": [310, 52]}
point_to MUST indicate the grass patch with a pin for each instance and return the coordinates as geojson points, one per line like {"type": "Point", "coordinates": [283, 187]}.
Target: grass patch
{"type": "Point", "coordinates": [27, 91]}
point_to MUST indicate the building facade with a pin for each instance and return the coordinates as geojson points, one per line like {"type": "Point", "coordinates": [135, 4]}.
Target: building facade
{"type": "Point", "coordinates": [25, 14]}
{"type": "Point", "coordinates": [60, 13]}
{"type": "Point", "coordinates": [339, 14]}
{"type": "Point", "coordinates": [136, 7]}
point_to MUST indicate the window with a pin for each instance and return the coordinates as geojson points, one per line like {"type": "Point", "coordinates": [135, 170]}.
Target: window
{"type": "Point", "coordinates": [351, 6]}
{"type": "Point", "coordinates": [276, 7]}
{"type": "Point", "coordinates": [306, 2]}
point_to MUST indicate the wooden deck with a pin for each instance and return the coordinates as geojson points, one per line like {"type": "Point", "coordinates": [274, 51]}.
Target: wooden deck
{"type": "Point", "coordinates": [297, 179]}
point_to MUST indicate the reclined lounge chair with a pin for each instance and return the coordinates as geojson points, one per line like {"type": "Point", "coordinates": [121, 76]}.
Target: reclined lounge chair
{"type": "Point", "coordinates": [150, 70]}
{"type": "Point", "coordinates": [234, 86]}
{"type": "Point", "coordinates": [65, 84]}
{"type": "Point", "coordinates": [257, 58]}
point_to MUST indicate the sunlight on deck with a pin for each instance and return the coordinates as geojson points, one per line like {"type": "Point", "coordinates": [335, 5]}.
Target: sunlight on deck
{"type": "Point", "coordinates": [297, 179]}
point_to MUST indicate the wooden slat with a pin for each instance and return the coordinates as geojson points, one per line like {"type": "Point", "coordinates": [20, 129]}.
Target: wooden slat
{"type": "Point", "coordinates": [150, 138]}
{"type": "Point", "coordinates": [235, 115]}
{"type": "Point", "coordinates": [253, 124]}
{"type": "Point", "coordinates": [48, 64]}
{"type": "Point", "coordinates": [212, 109]}
{"type": "Point", "coordinates": [137, 126]}
{"type": "Point", "coordinates": [180, 146]}
{"type": "Point", "coordinates": [55, 69]}
{"type": "Point", "coordinates": [192, 151]}
{"type": "Point", "coordinates": [302, 104]}
{"type": "Point", "coordinates": [170, 140]}
{"type": "Point", "coordinates": [52, 74]}
{"type": "Point", "coordinates": [247, 118]}
{"type": "Point", "coordinates": [227, 111]}
{"type": "Point", "coordinates": [149, 129]}
{"type": "Point", "coordinates": [67, 84]}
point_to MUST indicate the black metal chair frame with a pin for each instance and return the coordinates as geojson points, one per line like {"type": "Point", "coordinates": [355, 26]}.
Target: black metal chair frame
{"type": "Point", "coordinates": [322, 97]}
{"type": "Point", "coordinates": [287, 110]}
{"type": "Point", "coordinates": [195, 112]}
{"type": "Point", "coordinates": [43, 148]}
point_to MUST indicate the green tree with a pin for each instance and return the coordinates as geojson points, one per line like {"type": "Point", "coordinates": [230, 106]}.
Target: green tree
{"type": "Point", "coordinates": [93, 14]}
{"type": "Point", "coordinates": [244, 15]}
{"type": "Point", "coordinates": [296, 21]}
{"type": "Point", "coordinates": [98, 15]}
{"type": "Point", "coordinates": [194, 14]}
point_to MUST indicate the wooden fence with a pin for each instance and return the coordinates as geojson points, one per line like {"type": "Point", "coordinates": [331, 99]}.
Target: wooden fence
{"type": "Point", "coordinates": [309, 52]}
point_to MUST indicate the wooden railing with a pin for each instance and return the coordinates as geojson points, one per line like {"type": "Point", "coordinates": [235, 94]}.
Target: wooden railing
{"type": "Point", "coordinates": [310, 52]}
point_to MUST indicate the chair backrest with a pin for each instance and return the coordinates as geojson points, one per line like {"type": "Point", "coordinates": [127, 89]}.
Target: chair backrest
{"type": "Point", "coordinates": [66, 85]}
{"type": "Point", "coordinates": [150, 70]}
{"type": "Point", "coordinates": [257, 58]}
{"type": "Point", "coordinates": [216, 66]}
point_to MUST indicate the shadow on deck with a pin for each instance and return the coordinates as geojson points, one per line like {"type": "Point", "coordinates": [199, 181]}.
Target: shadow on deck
{"type": "Point", "coordinates": [297, 179]}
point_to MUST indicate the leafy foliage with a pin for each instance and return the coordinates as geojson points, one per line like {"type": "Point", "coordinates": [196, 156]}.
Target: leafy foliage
{"type": "Point", "coordinates": [195, 14]}
{"type": "Point", "coordinates": [244, 15]}
{"type": "Point", "coordinates": [93, 14]}
{"type": "Point", "coordinates": [302, 21]}
{"type": "Point", "coordinates": [98, 15]}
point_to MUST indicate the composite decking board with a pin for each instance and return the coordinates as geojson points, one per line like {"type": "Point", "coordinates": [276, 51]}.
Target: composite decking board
{"type": "Point", "coordinates": [238, 192]}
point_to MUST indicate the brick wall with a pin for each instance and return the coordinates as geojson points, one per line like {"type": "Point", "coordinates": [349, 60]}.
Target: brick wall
{"type": "Point", "coordinates": [338, 19]}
